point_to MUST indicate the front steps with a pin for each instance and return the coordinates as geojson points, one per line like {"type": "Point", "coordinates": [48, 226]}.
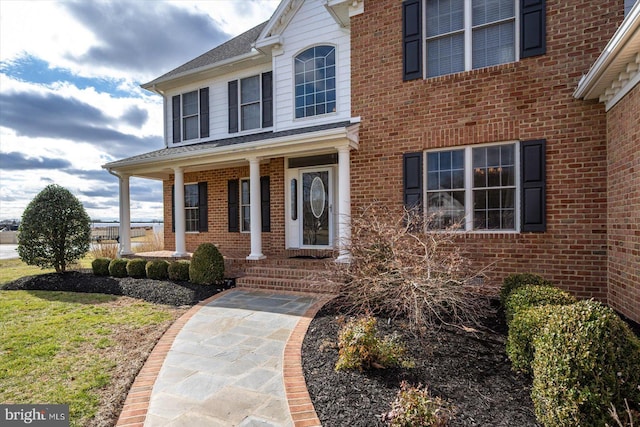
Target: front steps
{"type": "Point", "coordinates": [286, 275]}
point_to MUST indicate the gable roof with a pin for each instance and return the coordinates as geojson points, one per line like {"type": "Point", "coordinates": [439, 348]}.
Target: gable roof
{"type": "Point", "coordinates": [234, 48]}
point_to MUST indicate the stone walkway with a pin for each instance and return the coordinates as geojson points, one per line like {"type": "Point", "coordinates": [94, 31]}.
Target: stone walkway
{"type": "Point", "coordinates": [227, 365]}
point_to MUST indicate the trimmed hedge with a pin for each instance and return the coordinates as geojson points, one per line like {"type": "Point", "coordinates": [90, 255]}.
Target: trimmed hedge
{"type": "Point", "coordinates": [586, 358]}
{"type": "Point", "coordinates": [532, 296]}
{"type": "Point", "coordinates": [157, 269]}
{"type": "Point", "coordinates": [526, 325]}
{"type": "Point", "coordinates": [118, 267]}
{"type": "Point", "coordinates": [136, 268]}
{"type": "Point", "coordinates": [515, 281]}
{"type": "Point", "coordinates": [207, 265]}
{"type": "Point", "coordinates": [179, 271]}
{"type": "Point", "coordinates": [100, 266]}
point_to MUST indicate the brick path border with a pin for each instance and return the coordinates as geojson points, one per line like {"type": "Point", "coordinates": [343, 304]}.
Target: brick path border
{"type": "Point", "coordinates": [136, 405]}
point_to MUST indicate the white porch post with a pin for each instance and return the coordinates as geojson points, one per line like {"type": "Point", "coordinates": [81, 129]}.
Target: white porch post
{"type": "Point", "coordinates": [344, 204]}
{"type": "Point", "coordinates": [256, 211]}
{"type": "Point", "coordinates": [125, 216]}
{"type": "Point", "coordinates": [180, 223]}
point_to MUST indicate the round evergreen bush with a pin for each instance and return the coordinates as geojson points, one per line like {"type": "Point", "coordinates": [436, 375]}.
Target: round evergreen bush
{"type": "Point", "coordinates": [526, 324]}
{"type": "Point", "coordinates": [118, 267]}
{"type": "Point", "coordinates": [136, 268]}
{"type": "Point", "coordinates": [179, 271]}
{"type": "Point", "coordinates": [157, 269]}
{"type": "Point", "coordinates": [528, 296]}
{"type": "Point", "coordinates": [586, 358]}
{"type": "Point", "coordinates": [100, 266]}
{"type": "Point", "coordinates": [207, 265]}
{"type": "Point", "coordinates": [515, 281]}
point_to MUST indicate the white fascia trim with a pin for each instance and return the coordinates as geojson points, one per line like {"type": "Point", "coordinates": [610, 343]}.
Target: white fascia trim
{"type": "Point", "coordinates": [269, 41]}
{"type": "Point", "coordinates": [608, 55]}
{"type": "Point", "coordinates": [623, 91]}
{"type": "Point", "coordinates": [261, 148]}
{"type": "Point", "coordinates": [249, 55]}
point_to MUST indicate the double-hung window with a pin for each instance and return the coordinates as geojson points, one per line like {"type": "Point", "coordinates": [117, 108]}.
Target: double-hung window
{"type": "Point", "coordinates": [195, 207]}
{"type": "Point", "coordinates": [190, 112]}
{"type": "Point", "coordinates": [245, 205]}
{"type": "Point", "coordinates": [250, 103]}
{"type": "Point", "coordinates": [315, 81]}
{"type": "Point", "coordinates": [468, 34]}
{"type": "Point", "coordinates": [486, 187]}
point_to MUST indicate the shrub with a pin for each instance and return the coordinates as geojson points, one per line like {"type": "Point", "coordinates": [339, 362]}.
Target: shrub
{"type": "Point", "coordinates": [360, 348]}
{"type": "Point", "coordinates": [515, 281]}
{"type": "Point", "coordinates": [400, 268]}
{"type": "Point", "coordinates": [55, 230]}
{"type": "Point", "coordinates": [136, 268]}
{"type": "Point", "coordinates": [118, 267]}
{"type": "Point", "coordinates": [207, 265]}
{"type": "Point", "coordinates": [526, 324]}
{"type": "Point", "coordinates": [104, 250]}
{"type": "Point", "coordinates": [534, 295]}
{"type": "Point", "coordinates": [586, 360]}
{"type": "Point", "coordinates": [179, 270]}
{"type": "Point", "coordinates": [157, 269]}
{"type": "Point", "coordinates": [414, 406]}
{"type": "Point", "coordinates": [100, 266]}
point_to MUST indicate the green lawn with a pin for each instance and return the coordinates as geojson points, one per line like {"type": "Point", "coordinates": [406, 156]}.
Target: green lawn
{"type": "Point", "coordinates": [60, 347]}
{"type": "Point", "coordinates": [12, 269]}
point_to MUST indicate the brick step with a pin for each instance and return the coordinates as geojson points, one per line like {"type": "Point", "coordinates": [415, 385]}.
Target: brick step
{"type": "Point", "coordinates": [280, 284]}
{"type": "Point", "coordinates": [285, 273]}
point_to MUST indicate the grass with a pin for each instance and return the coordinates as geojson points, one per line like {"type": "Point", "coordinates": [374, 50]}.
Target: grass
{"type": "Point", "coordinates": [12, 269]}
{"type": "Point", "coordinates": [68, 348]}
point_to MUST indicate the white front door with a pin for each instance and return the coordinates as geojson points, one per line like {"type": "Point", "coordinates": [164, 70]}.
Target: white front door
{"type": "Point", "coordinates": [315, 206]}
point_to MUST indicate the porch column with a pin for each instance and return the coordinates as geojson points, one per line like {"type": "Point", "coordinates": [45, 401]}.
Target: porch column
{"type": "Point", "coordinates": [256, 212]}
{"type": "Point", "coordinates": [344, 204]}
{"type": "Point", "coordinates": [179, 219]}
{"type": "Point", "coordinates": [125, 217]}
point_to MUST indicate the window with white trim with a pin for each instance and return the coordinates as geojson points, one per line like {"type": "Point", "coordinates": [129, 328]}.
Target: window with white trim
{"type": "Point", "coordinates": [245, 205]}
{"type": "Point", "coordinates": [468, 34]}
{"type": "Point", "coordinates": [192, 207]}
{"type": "Point", "coordinates": [472, 186]}
{"type": "Point", "coordinates": [315, 81]}
{"type": "Point", "coordinates": [251, 102]}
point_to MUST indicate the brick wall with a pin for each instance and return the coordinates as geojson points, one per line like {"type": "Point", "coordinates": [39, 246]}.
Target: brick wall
{"type": "Point", "coordinates": [231, 243]}
{"type": "Point", "coordinates": [623, 185]}
{"type": "Point", "coordinates": [530, 99]}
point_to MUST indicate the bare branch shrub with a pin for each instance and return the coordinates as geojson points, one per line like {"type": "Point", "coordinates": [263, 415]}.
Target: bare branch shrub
{"type": "Point", "coordinates": [104, 250]}
{"type": "Point", "coordinates": [153, 242]}
{"type": "Point", "coordinates": [402, 267]}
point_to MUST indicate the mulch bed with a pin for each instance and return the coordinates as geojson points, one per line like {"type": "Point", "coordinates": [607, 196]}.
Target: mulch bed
{"type": "Point", "coordinates": [468, 369]}
{"type": "Point", "coordinates": [155, 291]}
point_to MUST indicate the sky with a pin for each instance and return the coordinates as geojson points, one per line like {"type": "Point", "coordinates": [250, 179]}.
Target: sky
{"type": "Point", "coordinates": [70, 96]}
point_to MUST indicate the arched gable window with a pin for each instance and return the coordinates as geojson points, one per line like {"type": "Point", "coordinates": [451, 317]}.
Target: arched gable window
{"type": "Point", "coordinates": [315, 79]}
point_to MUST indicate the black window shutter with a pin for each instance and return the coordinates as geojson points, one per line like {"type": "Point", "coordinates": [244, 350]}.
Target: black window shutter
{"type": "Point", "coordinates": [233, 205]}
{"type": "Point", "coordinates": [203, 207]}
{"type": "Point", "coordinates": [233, 106]}
{"type": "Point", "coordinates": [411, 39]}
{"type": "Point", "coordinates": [265, 203]}
{"type": "Point", "coordinates": [175, 111]}
{"type": "Point", "coordinates": [532, 28]}
{"type": "Point", "coordinates": [412, 180]}
{"type": "Point", "coordinates": [204, 112]}
{"type": "Point", "coordinates": [533, 175]}
{"type": "Point", "coordinates": [173, 208]}
{"type": "Point", "coordinates": [267, 99]}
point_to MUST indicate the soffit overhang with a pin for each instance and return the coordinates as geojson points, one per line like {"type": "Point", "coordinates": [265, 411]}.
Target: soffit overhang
{"type": "Point", "coordinates": [617, 69]}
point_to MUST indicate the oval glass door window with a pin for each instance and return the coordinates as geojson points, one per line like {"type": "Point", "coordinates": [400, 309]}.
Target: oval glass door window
{"type": "Point", "coordinates": [318, 197]}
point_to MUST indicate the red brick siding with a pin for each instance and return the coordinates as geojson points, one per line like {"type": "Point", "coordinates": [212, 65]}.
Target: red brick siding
{"type": "Point", "coordinates": [231, 243]}
{"type": "Point", "coordinates": [623, 189]}
{"type": "Point", "coordinates": [529, 99]}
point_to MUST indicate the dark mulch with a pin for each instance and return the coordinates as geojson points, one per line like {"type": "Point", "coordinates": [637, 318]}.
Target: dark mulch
{"type": "Point", "coordinates": [468, 369]}
{"type": "Point", "coordinates": [155, 291]}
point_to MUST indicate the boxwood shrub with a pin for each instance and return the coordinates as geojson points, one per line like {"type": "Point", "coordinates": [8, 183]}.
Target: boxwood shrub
{"type": "Point", "coordinates": [526, 324]}
{"type": "Point", "coordinates": [100, 266]}
{"type": "Point", "coordinates": [118, 267]}
{"type": "Point", "coordinates": [534, 295]}
{"type": "Point", "coordinates": [586, 358]}
{"type": "Point", "coordinates": [207, 265]}
{"type": "Point", "coordinates": [179, 271]}
{"type": "Point", "coordinates": [136, 268]}
{"type": "Point", "coordinates": [515, 281]}
{"type": "Point", "coordinates": [157, 269]}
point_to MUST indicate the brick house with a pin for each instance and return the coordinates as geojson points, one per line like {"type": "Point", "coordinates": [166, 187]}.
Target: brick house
{"type": "Point", "coordinates": [463, 108]}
